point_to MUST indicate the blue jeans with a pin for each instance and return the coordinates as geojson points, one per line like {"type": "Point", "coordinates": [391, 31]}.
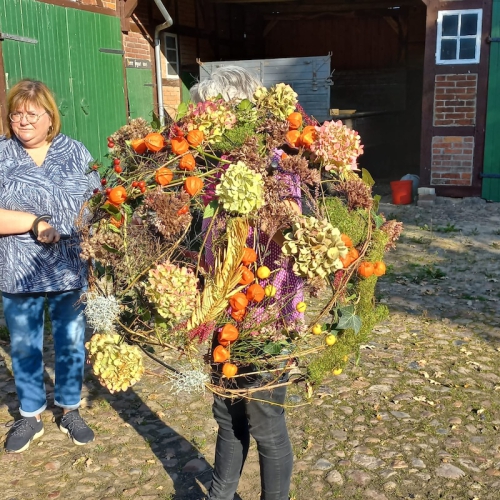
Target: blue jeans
{"type": "Point", "coordinates": [266, 424]}
{"type": "Point", "coordinates": [24, 315]}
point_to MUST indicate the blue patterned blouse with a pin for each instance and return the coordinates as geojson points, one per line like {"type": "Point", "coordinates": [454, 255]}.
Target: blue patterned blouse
{"type": "Point", "coordinates": [58, 187]}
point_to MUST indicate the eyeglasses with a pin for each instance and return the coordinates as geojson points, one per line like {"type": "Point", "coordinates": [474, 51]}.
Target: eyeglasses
{"type": "Point", "coordinates": [31, 118]}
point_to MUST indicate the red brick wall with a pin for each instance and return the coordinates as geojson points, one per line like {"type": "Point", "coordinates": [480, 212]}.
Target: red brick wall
{"type": "Point", "coordinates": [452, 160]}
{"type": "Point", "coordinates": [455, 100]}
{"type": "Point", "coordinates": [136, 46]}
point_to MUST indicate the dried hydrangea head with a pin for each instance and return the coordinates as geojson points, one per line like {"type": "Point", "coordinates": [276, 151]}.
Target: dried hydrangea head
{"type": "Point", "coordinates": [115, 363]}
{"type": "Point", "coordinates": [211, 117]}
{"type": "Point", "coordinates": [315, 246]}
{"type": "Point", "coordinates": [101, 312]}
{"type": "Point", "coordinates": [240, 189]}
{"type": "Point", "coordinates": [337, 147]}
{"type": "Point", "coordinates": [173, 290]}
{"type": "Point", "coordinates": [280, 100]}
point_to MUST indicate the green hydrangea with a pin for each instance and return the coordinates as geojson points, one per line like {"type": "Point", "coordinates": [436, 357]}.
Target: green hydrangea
{"type": "Point", "coordinates": [315, 246]}
{"type": "Point", "coordinates": [240, 189]}
{"type": "Point", "coordinates": [280, 100]}
{"type": "Point", "coordinates": [173, 290]}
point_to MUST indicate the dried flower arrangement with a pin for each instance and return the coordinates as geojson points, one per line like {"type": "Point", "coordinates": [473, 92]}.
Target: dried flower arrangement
{"type": "Point", "coordinates": [212, 236]}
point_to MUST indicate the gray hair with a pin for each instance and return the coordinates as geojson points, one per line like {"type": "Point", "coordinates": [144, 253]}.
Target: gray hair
{"type": "Point", "coordinates": [231, 82]}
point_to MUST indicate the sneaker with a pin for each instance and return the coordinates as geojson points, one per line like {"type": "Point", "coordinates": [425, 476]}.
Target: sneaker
{"type": "Point", "coordinates": [75, 427]}
{"type": "Point", "coordinates": [21, 434]}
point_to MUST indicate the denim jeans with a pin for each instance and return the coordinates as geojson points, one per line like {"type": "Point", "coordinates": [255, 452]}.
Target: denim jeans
{"type": "Point", "coordinates": [24, 315]}
{"type": "Point", "coordinates": [266, 424]}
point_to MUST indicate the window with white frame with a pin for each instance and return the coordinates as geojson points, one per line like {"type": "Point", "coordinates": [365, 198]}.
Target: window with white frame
{"type": "Point", "coordinates": [171, 53]}
{"type": "Point", "coordinates": [458, 36]}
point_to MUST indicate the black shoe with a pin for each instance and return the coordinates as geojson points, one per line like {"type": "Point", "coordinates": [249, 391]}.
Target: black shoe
{"type": "Point", "coordinates": [76, 428]}
{"type": "Point", "coordinates": [22, 433]}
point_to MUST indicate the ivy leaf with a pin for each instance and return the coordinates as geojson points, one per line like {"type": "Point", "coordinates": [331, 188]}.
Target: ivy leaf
{"type": "Point", "coordinates": [348, 319]}
{"type": "Point", "coordinates": [367, 178]}
{"type": "Point", "coordinates": [379, 220]}
{"type": "Point", "coordinates": [273, 348]}
{"type": "Point", "coordinates": [182, 110]}
{"type": "Point", "coordinates": [155, 123]}
{"type": "Point", "coordinates": [210, 209]}
{"type": "Point", "coordinates": [244, 105]}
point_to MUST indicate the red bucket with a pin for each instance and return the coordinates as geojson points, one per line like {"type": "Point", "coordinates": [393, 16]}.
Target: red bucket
{"type": "Point", "coordinates": [401, 192]}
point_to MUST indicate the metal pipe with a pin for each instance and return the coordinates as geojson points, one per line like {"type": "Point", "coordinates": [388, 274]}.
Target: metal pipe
{"type": "Point", "coordinates": [159, 87]}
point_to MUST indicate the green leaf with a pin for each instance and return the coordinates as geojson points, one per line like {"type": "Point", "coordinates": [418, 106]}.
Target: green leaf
{"type": "Point", "coordinates": [348, 319]}
{"type": "Point", "coordinates": [128, 210]}
{"type": "Point", "coordinates": [379, 220]}
{"type": "Point", "coordinates": [156, 122]}
{"type": "Point", "coordinates": [273, 348]}
{"type": "Point", "coordinates": [160, 322]}
{"type": "Point", "coordinates": [182, 110]}
{"type": "Point", "coordinates": [376, 202]}
{"type": "Point", "coordinates": [113, 228]}
{"type": "Point", "coordinates": [367, 178]}
{"type": "Point", "coordinates": [210, 209]}
{"type": "Point", "coordinates": [111, 209]}
{"type": "Point", "coordinates": [110, 249]}
{"type": "Point", "coordinates": [244, 105]}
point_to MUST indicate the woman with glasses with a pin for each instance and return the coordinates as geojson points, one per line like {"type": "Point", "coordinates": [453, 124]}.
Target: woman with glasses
{"type": "Point", "coordinates": [44, 182]}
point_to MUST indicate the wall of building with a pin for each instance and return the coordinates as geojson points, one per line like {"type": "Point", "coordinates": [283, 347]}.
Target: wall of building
{"type": "Point", "coordinates": [454, 109]}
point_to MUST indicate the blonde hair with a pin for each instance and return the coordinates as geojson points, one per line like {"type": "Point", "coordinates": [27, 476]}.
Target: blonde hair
{"type": "Point", "coordinates": [29, 91]}
{"type": "Point", "coordinates": [231, 82]}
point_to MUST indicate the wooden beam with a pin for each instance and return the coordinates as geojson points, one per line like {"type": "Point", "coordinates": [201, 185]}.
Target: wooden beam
{"type": "Point", "coordinates": [129, 7]}
{"type": "Point", "coordinates": [308, 8]}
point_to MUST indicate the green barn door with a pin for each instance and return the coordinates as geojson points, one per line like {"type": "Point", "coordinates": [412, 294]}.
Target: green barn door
{"type": "Point", "coordinates": [491, 167]}
{"type": "Point", "coordinates": [140, 91]}
{"type": "Point", "coordinates": [78, 54]}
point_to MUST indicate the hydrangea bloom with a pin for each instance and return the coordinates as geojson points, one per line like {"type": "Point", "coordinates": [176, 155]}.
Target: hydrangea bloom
{"type": "Point", "coordinates": [337, 146]}
{"type": "Point", "coordinates": [240, 190]}
{"type": "Point", "coordinates": [280, 100]}
{"type": "Point", "coordinates": [173, 290]}
{"type": "Point", "coordinates": [212, 118]}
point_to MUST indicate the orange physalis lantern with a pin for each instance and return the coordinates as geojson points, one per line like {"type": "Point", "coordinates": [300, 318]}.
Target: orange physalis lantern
{"type": "Point", "coordinates": [163, 176]}
{"type": "Point", "coordinates": [195, 137]}
{"type": "Point", "coordinates": [179, 145]}
{"type": "Point", "coordinates": [187, 162]}
{"type": "Point", "coordinates": [249, 256]}
{"type": "Point", "coordinates": [246, 276]}
{"type": "Point", "coordinates": [220, 354]}
{"type": "Point", "coordinates": [154, 142]}
{"type": "Point", "coordinates": [193, 185]}
{"type": "Point", "coordinates": [255, 293]}
{"type": "Point", "coordinates": [238, 301]}
{"type": "Point", "coordinates": [117, 195]}
{"type": "Point", "coordinates": [139, 146]}
{"type": "Point", "coordinates": [294, 120]}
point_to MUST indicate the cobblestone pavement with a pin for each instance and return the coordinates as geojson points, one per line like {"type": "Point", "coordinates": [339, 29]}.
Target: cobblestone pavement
{"type": "Point", "coordinates": [417, 417]}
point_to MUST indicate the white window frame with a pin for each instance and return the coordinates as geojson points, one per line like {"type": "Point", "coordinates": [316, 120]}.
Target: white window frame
{"type": "Point", "coordinates": [440, 37]}
{"type": "Point", "coordinates": [165, 74]}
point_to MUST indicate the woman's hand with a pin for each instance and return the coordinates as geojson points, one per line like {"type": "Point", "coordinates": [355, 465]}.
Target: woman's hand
{"type": "Point", "coordinates": [47, 233]}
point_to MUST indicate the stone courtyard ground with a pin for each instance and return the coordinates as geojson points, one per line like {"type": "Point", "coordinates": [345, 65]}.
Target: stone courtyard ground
{"type": "Point", "coordinates": [416, 417]}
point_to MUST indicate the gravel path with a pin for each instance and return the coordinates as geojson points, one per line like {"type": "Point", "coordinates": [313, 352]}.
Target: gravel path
{"type": "Point", "coordinates": [416, 417]}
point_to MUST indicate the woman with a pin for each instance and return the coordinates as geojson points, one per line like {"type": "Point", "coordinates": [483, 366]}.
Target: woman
{"type": "Point", "coordinates": [44, 182]}
{"type": "Point", "coordinates": [238, 420]}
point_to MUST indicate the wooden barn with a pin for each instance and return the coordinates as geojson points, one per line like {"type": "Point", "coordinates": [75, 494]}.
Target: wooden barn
{"type": "Point", "coordinates": [419, 79]}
